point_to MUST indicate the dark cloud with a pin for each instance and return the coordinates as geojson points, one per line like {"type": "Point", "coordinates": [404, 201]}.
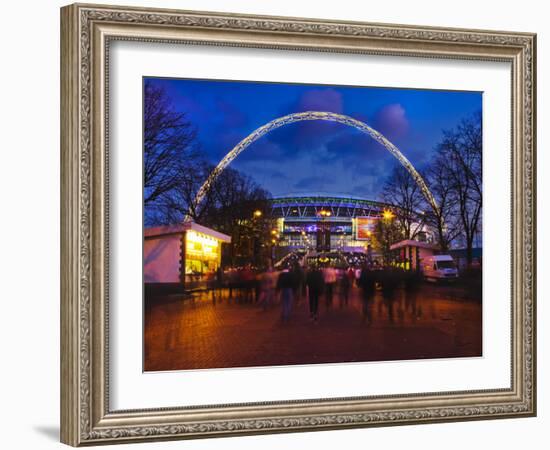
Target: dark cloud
{"type": "Point", "coordinates": [366, 189]}
{"type": "Point", "coordinates": [231, 115]}
{"type": "Point", "coordinates": [354, 146]}
{"type": "Point", "coordinates": [258, 171]}
{"type": "Point", "coordinates": [307, 135]}
{"type": "Point", "coordinates": [341, 149]}
{"type": "Point", "coordinates": [360, 152]}
{"type": "Point", "coordinates": [311, 182]}
{"type": "Point", "coordinates": [391, 121]}
{"type": "Point", "coordinates": [317, 155]}
{"type": "Point", "coordinates": [262, 150]}
{"type": "Point", "coordinates": [320, 100]}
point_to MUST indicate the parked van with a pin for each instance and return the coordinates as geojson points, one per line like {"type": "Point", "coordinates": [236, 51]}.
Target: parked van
{"type": "Point", "coordinates": [439, 268]}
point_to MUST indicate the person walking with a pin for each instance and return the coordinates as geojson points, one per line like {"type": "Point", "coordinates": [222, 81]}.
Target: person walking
{"type": "Point", "coordinates": [389, 280]}
{"type": "Point", "coordinates": [286, 285]}
{"type": "Point", "coordinates": [267, 288]}
{"type": "Point", "coordinates": [299, 281]}
{"type": "Point", "coordinates": [345, 285]}
{"type": "Point", "coordinates": [315, 284]}
{"type": "Point", "coordinates": [329, 276]}
{"type": "Point", "coordinates": [248, 278]}
{"type": "Point", "coordinates": [350, 273]}
{"type": "Point", "coordinates": [218, 285]}
{"type": "Point", "coordinates": [412, 281]}
{"type": "Point", "coordinates": [367, 284]}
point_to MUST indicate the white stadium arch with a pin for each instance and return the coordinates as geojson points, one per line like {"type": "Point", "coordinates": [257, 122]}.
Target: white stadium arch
{"type": "Point", "coordinates": [315, 115]}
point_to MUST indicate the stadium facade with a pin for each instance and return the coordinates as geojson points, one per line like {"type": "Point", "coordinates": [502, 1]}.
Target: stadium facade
{"type": "Point", "coordinates": [329, 222]}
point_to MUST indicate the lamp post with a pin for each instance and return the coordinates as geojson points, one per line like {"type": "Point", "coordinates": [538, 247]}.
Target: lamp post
{"type": "Point", "coordinates": [274, 240]}
{"type": "Point", "coordinates": [387, 217]}
{"type": "Point", "coordinates": [256, 215]}
{"type": "Point", "coordinates": [324, 234]}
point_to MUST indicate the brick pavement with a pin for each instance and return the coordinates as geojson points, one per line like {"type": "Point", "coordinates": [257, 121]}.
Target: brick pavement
{"type": "Point", "coordinates": [185, 335]}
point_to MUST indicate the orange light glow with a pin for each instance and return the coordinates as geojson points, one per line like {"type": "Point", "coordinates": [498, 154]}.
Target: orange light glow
{"type": "Point", "coordinates": [387, 214]}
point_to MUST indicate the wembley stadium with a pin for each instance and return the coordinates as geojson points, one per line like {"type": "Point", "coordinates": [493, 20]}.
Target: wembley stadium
{"type": "Point", "coordinates": [339, 228]}
{"type": "Point", "coordinates": [326, 222]}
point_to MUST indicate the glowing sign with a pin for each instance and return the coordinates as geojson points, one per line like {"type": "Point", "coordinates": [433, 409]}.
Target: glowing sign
{"type": "Point", "coordinates": [364, 227]}
{"type": "Point", "coordinates": [201, 245]}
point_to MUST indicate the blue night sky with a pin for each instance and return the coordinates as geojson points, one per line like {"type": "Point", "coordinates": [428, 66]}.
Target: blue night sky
{"type": "Point", "coordinates": [318, 156]}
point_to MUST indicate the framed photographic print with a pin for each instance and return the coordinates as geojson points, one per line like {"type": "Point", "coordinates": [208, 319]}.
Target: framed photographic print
{"type": "Point", "coordinates": [275, 224]}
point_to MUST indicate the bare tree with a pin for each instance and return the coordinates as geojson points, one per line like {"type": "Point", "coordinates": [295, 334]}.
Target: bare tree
{"type": "Point", "coordinates": [174, 205]}
{"type": "Point", "coordinates": [238, 206]}
{"type": "Point", "coordinates": [228, 207]}
{"type": "Point", "coordinates": [387, 232]}
{"type": "Point", "coordinates": [402, 192]}
{"type": "Point", "coordinates": [230, 197]}
{"type": "Point", "coordinates": [459, 163]}
{"type": "Point", "coordinates": [168, 146]}
{"type": "Point", "coordinates": [445, 220]}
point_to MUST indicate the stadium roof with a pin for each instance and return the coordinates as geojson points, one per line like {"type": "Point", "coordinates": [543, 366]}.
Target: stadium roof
{"type": "Point", "coordinates": [327, 200]}
{"type": "Point", "coordinates": [319, 194]}
{"type": "Point", "coordinates": [308, 206]}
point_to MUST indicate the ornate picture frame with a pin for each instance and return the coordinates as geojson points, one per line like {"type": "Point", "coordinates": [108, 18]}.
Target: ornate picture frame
{"type": "Point", "coordinates": [87, 31]}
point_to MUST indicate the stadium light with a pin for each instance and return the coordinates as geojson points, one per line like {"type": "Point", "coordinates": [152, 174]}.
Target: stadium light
{"type": "Point", "coordinates": [388, 215]}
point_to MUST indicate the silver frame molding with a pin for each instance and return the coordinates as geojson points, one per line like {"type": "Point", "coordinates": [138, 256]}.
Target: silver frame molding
{"type": "Point", "coordinates": [86, 32]}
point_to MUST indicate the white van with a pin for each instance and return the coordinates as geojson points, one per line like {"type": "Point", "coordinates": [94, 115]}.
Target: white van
{"type": "Point", "coordinates": [439, 268]}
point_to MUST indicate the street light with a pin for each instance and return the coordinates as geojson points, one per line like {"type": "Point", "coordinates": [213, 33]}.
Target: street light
{"type": "Point", "coordinates": [388, 215]}
{"type": "Point", "coordinates": [323, 234]}
{"type": "Point", "coordinates": [257, 213]}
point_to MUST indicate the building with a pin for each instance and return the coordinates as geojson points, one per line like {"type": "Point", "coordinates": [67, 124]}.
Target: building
{"type": "Point", "coordinates": [409, 253]}
{"type": "Point", "coordinates": [328, 222]}
{"type": "Point", "coordinates": [182, 255]}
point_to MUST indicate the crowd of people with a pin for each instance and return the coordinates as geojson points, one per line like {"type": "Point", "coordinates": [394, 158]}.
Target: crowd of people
{"type": "Point", "coordinates": [294, 284]}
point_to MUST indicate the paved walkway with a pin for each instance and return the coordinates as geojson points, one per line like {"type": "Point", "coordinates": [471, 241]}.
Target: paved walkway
{"type": "Point", "coordinates": [180, 334]}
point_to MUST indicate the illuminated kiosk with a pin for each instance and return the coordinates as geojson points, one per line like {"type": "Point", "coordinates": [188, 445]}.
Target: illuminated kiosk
{"type": "Point", "coordinates": [183, 256]}
{"type": "Point", "coordinates": [411, 253]}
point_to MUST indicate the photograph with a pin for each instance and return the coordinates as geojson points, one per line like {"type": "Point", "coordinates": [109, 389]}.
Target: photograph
{"type": "Point", "coordinates": [294, 224]}
{"type": "Point", "coordinates": [286, 223]}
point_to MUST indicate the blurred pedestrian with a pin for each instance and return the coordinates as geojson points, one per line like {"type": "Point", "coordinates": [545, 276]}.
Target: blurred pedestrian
{"type": "Point", "coordinates": [345, 285]}
{"type": "Point", "coordinates": [218, 285]}
{"type": "Point", "coordinates": [267, 282]}
{"type": "Point", "coordinates": [350, 273]}
{"type": "Point", "coordinates": [412, 282]}
{"type": "Point", "coordinates": [315, 284]}
{"type": "Point", "coordinates": [248, 280]}
{"type": "Point", "coordinates": [389, 280]}
{"type": "Point", "coordinates": [286, 284]}
{"type": "Point", "coordinates": [367, 284]}
{"type": "Point", "coordinates": [299, 278]}
{"type": "Point", "coordinates": [329, 276]}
